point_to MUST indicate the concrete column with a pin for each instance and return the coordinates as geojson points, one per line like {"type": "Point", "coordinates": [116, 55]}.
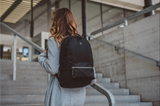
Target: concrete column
{"type": "Point", "coordinates": [101, 15]}
{"type": "Point", "coordinates": [26, 29]}
{"type": "Point", "coordinates": [30, 55]}
{"type": "Point", "coordinates": [84, 19]}
{"type": "Point", "coordinates": [14, 57]}
{"type": "Point", "coordinates": [49, 17]}
{"type": "Point", "coordinates": [1, 51]}
{"type": "Point", "coordinates": [69, 2]}
{"type": "Point", "coordinates": [32, 21]}
{"type": "Point", "coordinates": [147, 3]}
{"type": "Point", "coordinates": [57, 4]}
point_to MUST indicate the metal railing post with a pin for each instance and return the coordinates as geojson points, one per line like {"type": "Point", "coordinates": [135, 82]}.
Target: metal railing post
{"type": "Point", "coordinates": [14, 56]}
{"type": "Point", "coordinates": [125, 22]}
{"type": "Point", "coordinates": [153, 12]}
{"type": "Point", "coordinates": [107, 93]}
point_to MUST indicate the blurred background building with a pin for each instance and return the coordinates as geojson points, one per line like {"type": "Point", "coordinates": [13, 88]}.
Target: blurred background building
{"type": "Point", "coordinates": [32, 19]}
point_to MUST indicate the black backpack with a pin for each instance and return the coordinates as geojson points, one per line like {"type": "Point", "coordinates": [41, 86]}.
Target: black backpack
{"type": "Point", "coordinates": [76, 63]}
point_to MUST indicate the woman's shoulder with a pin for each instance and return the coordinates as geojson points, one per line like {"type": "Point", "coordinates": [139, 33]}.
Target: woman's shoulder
{"type": "Point", "coordinates": [52, 39]}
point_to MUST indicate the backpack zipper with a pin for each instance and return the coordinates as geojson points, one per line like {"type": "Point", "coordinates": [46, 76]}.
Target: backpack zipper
{"type": "Point", "coordinates": [83, 67]}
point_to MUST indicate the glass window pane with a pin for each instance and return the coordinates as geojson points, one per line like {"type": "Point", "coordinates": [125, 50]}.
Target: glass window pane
{"type": "Point", "coordinates": [76, 10]}
{"type": "Point", "coordinates": [64, 3]}
{"type": "Point", "coordinates": [111, 15]}
{"type": "Point", "coordinates": [93, 16]}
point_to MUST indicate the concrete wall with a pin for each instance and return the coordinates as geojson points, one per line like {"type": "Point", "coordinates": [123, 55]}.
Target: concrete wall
{"type": "Point", "coordinates": [107, 60]}
{"type": "Point", "coordinates": [140, 75]}
{"type": "Point", "coordinates": [143, 77]}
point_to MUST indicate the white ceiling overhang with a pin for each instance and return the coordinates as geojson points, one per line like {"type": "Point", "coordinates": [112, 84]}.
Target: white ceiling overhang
{"type": "Point", "coordinates": [18, 12]}
{"type": "Point", "coordinates": [135, 5]}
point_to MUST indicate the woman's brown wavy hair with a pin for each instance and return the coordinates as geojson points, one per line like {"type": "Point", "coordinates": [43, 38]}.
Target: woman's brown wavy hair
{"type": "Point", "coordinates": [63, 25]}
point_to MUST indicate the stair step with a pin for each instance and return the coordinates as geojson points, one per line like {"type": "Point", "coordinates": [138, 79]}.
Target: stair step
{"type": "Point", "coordinates": [32, 77]}
{"type": "Point", "coordinates": [24, 105]}
{"type": "Point", "coordinates": [10, 63]}
{"type": "Point", "coordinates": [30, 87]}
{"type": "Point", "coordinates": [42, 90]}
{"type": "Point", "coordinates": [20, 67]}
{"type": "Point", "coordinates": [26, 76]}
{"type": "Point", "coordinates": [103, 80]}
{"type": "Point", "coordinates": [120, 104]}
{"type": "Point", "coordinates": [36, 72]}
{"type": "Point", "coordinates": [6, 77]}
{"type": "Point", "coordinates": [92, 104]}
{"type": "Point", "coordinates": [99, 75]}
{"type": "Point", "coordinates": [22, 99]}
{"type": "Point", "coordinates": [118, 98]}
{"type": "Point", "coordinates": [34, 99]}
{"type": "Point", "coordinates": [36, 77]}
{"type": "Point", "coordinates": [23, 90]}
{"type": "Point", "coordinates": [8, 83]}
{"type": "Point", "coordinates": [26, 72]}
{"type": "Point", "coordinates": [113, 91]}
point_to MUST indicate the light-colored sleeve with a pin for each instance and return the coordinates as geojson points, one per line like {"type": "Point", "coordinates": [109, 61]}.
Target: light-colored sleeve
{"type": "Point", "coordinates": [50, 64]}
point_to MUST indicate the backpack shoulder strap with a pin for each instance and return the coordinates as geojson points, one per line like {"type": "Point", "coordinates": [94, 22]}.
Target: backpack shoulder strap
{"type": "Point", "coordinates": [56, 75]}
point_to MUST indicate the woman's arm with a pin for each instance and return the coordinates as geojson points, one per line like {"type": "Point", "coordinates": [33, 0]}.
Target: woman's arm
{"type": "Point", "coordinates": [50, 64]}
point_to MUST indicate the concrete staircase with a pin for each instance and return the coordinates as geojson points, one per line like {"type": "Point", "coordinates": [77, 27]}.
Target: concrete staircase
{"type": "Point", "coordinates": [31, 84]}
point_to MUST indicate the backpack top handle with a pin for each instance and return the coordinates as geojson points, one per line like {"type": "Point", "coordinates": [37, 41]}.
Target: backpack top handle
{"type": "Point", "coordinates": [76, 34]}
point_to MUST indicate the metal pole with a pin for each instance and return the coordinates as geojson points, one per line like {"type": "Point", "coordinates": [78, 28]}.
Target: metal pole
{"type": "Point", "coordinates": [57, 4]}
{"type": "Point", "coordinates": [14, 56]}
{"type": "Point", "coordinates": [125, 22]}
{"type": "Point", "coordinates": [101, 15]}
{"type": "Point", "coordinates": [32, 23]}
{"type": "Point", "coordinates": [153, 12]}
{"type": "Point", "coordinates": [1, 51]}
{"type": "Point", "coordinates": [148, 3]}
{"type": "Point", "coordinates": [69, 2]}
{"type": "Point", "coordinates": [48, 14]}
{"type": "Point", "coordinates": [101, 12]}
{"type": "Point", "coordinates": [84, 19]}
{"type": "Point", "coordinates": [124, 13]}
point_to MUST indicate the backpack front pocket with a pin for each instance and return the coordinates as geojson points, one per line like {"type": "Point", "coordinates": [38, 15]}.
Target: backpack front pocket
{"type": "Point", "coordinates": [83, 72]}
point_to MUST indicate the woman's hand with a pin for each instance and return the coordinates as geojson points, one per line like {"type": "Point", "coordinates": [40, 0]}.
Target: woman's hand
{"type": "Point", "coordinates": [45, 51]}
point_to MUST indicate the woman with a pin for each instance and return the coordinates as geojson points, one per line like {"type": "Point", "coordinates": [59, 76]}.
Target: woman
{"type": "Point", "coordinates": [63, 25]}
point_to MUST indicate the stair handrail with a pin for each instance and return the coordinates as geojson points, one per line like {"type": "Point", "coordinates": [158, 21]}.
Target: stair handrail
{"type": "Point", "coordinates": [15, 44]}
{"type": "Point", "coordinates": [121, 48]}
{"type": "Point", "coordinates": [124, 20]}
{"type": "Point", "coordinates": [104, 91]}
{"type": "Point", "coordinates": [22, 37]}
